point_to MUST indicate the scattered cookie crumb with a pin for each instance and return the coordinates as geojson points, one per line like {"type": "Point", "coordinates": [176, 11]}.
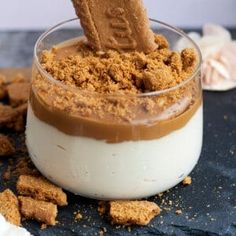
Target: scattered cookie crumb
{"type": "Point", "coordinates": [102, 231]}
{"type": "Point", "coordinates": [102, 207]}
{"type": "Point", "coordinates": [43, 226]}
{"type": "Point", "coordinates": [187, 180]}
{"type": "Point", "coordinates": [178, 212]}
{"type": "Point", "coordinates": [78, 216]}
{"type": "Point", "coordinates": [6, 147]}
{"type": "Point", "coordinates": [9, 207]}
{"type": "Point", "coordinates": [133, 212]}
{"type": "Point", "coordinates": [41, 211]}
{"type": "Point", "coordinates": [41, 189]}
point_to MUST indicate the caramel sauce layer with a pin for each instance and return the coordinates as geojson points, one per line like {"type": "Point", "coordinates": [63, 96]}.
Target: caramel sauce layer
{"type": "Point", "coordinates": [110, 132]}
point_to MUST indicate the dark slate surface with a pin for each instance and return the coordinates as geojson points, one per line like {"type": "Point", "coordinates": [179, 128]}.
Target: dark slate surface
{"type": "Point", "coordinates": [208, 205]}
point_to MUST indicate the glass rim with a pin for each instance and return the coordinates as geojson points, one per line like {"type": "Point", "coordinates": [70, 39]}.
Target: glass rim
{"type": "Point", "coordinates": [44, 73]}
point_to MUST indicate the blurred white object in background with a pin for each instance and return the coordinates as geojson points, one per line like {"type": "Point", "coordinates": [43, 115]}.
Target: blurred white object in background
{"type": "Point", "coordinates": [7, 229]}
{"type": "Point", "coordinates": [219, 57]}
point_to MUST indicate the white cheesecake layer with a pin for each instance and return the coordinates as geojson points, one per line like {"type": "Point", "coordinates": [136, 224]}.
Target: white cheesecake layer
{"type": "Point", "coordinates": [127, 170]}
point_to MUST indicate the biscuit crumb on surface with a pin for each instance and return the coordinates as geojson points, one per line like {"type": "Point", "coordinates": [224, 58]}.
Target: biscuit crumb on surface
{"type": "Point", "coordinates": [43, 226]}
{"type": "Point", "coordinates": [178, 212]}
{"type": "Point", "coordinates": [41, 189]}
{"type": "Point", "coordinates": [9, 207]}
{"type": "Point", "coordinates": [6, 147]}
{"type": "Point", "coordinates": [78, 216]}
{"type": "Point", "coordinates": [103, 207]}
{"type": "Point", "coordinates": [187, 181]}
{"type": "Point", "coordinates": [133, 212]}
{"type": "Point", "coordinates": [41, 211]}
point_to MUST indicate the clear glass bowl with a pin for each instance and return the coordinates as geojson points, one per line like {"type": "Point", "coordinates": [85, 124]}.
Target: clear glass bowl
{"type": "Point", "coordinates": [145, 150]}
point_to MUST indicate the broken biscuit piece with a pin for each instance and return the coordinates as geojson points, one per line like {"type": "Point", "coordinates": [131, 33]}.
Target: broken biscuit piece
{"type": "Point", "coordinates": [18, 93]}
{"type": "Point", "coordinates": [12, 118]}
{"type": "Point", "coordinates": [41, 211]}
{"type": "Point", "coordinates": [41, 189]}
{"type": "Point", "coordinates": [133, 212]}
{"type": "Point", "coordinates": [7, 115]}
{"type": "Point", "coordinates": [6, 147]}
{"type": "Point", "coordinates": [118, 24]}
{"type": "Point", "coordinates": [9, 207]}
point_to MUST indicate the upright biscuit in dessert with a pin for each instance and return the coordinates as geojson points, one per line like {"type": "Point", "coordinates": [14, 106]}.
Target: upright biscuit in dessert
{"type": "Point", "coordinates": [9, 207]}
{"type": "Point", "coordinates": [18, 93]}
{"type": "Point", "coordinates": [6, 147]}
{"type": "Point", "coordinates": [45, 212]}
{"type": "Point", "coordinates": [133, 212]}
{"type": "Point", "coordinates": [117, 24]}
{"type": "Point", "coordinates": [41, 189]}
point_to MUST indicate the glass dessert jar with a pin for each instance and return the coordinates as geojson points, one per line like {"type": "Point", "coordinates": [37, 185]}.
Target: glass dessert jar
{"type": "Point", "coordinates": [113, 146]}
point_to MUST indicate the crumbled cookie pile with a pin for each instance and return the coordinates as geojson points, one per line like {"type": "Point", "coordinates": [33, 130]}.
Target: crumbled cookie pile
{"type": "Point", "coordinates": [113, 72]}
{"type": "Point", "coordinates": [96, 82]}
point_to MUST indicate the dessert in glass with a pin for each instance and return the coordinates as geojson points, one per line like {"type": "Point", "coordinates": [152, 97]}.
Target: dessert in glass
{"type": "Point", "coordinates": [111, 125]}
